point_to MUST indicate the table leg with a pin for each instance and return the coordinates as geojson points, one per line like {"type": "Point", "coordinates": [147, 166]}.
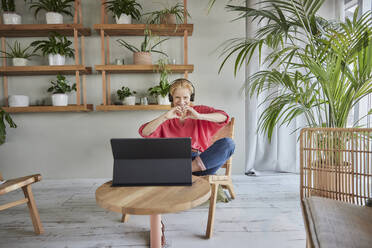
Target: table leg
{"type": "Point", "coordinates": [155, 231]}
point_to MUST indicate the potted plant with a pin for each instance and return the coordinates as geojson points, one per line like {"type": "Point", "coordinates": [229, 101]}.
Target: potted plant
{"type": "Point", "coordinates": [18, 55]}
{"type": "Point", "coordinates": [161, 91]}
{"type": "Point", "coordinates": [59, 89]}
{"type": "Point", "coordinates": [142, 55]}
{"type": "Point", "coordinates": [9, 14]}
{"type": "Point", "coordinates": [126, 95]}
{"type": "Point", "coordinates": [319, 77]}
{"type": "Point", "coordinates": [5, 117]}
{"type": "Point", "coordinates": [168, 15]}
{"type": "Point", "coordinates": [124, 10]}
{"type": "Point", "coordinates": [54, 9]}
{"type": "Point", "coordinates": [57, 48]}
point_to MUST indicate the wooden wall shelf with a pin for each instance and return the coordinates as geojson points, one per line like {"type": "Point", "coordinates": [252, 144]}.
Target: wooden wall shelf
{"type": "Point", "coordinates": [132, 107]}
{"type": "Point", "coordinates": [35, 109]}
{"type": "Point", "coordinates": [42, 30]}
{"type": "Point", "coordinates": [143, 68]}
{"type": "Point", "coordinates": [44, 70]}
{"type": "Point", "coordinates": [138, 29]}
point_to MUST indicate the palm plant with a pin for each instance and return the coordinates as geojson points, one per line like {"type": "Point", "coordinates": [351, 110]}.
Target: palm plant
{"type": "Point", "coordinates": [128, 7]}
{"type": "Point", "coordinates": [316, 68]}
{"type": "Point", "coordinates": [147, 44]}
{"type": "Point", "coordinates": [17, 52]}
{"type": "Point", "coordinates": [59, 6]}
{"type": "Point", "coordinates": [57, 44]}
{"type": "Point", "coordinates": [5, 117]}
{"type": "Point", "coordinates": [157, 17]}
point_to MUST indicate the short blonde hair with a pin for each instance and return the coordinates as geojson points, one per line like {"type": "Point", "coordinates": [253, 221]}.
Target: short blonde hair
{"type": "Point", "coordinates": [181, 83]}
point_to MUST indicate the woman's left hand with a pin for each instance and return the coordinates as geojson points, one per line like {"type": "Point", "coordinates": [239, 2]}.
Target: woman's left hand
{"type": "Point", "coordinates": [190, 113]}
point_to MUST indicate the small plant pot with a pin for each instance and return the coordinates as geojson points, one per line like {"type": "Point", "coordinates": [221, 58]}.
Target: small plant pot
{"type": "Point", "coordinates": [53, 18]}
{"type": "Point", "coordinates": [59, 99]}
{"type": "Point", "coordinates": [123, 19]}
{"type": "Point", "coordinates": [56, 59]}
{"type": "Point", "coordinates": [19, 101]}
{"type": "Point", "coordinates": [19, 61]}
{"type": "Point", "coordinates": [129, 100]}
{"type": "Point", "coordinates": [163, 100]}
{"type": "Point", "coordinates": [142, 58]}
{"type": "Point", "coordinates": [169, 19]}
{"type": "Point", "coordinates": [11, 18]}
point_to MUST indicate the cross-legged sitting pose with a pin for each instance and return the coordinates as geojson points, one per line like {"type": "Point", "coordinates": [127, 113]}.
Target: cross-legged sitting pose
{"type": "Point", "coordinates": [198, 122]}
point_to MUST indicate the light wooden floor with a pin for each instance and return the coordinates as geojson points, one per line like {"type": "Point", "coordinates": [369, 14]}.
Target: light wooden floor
{"type": "Point", "coordinates": [266, 213]}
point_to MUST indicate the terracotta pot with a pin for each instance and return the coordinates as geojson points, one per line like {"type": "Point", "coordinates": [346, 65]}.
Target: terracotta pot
{"type": "Point", "coordinates": [169, 19]}
{"type": "Point", "coordinates": [142, 58]}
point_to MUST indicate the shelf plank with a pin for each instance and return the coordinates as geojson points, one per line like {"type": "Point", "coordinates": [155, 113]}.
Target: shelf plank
{"type": "Point", "coordinates": [138, 29]}
{"type": "Point", "coordinates": [132, 107]}
{"type": "Point", "coordinates": [142, 68]}
{"type": "Point", "coordinates": [34, 109]}
{"type": "Point", "coordinates": [41, 30]}
{"type": "Point", "coordinates": [44, 70]}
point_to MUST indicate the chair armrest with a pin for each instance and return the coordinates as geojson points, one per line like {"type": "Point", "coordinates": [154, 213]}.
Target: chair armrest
{"type": "Point", "coordinates": [19, 182]}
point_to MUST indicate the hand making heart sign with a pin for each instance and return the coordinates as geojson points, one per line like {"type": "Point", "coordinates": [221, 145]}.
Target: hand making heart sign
{"type": "Point", "coordinates": [183, 113]}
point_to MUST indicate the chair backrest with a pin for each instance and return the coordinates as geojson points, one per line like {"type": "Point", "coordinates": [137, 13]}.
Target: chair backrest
{"type": "Point", "coordinates": [336, 163]}
{"type": "Point", "coordinates": [226, 131]}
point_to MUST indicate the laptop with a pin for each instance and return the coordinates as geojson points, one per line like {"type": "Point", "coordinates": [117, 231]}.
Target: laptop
{"type": "Point", "coordinates": [152, 162]}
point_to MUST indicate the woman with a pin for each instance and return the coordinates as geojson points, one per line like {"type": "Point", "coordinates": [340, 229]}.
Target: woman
{"type": "Point", "coordinates": [198, 122]}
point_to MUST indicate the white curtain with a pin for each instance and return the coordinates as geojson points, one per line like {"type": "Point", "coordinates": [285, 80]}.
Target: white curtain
{"type": "Point", "coordinates": [282, 153]}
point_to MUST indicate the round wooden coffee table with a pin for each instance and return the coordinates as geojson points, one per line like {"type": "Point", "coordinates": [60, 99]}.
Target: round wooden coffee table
{"type": "Point", "coordinates": [153, 201]}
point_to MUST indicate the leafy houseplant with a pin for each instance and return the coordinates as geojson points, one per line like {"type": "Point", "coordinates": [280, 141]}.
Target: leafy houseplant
{"type": "Point", "coordinates": [9, 15]}
{"type": "Point", "coordinates": [17, 54]}
{"type": "Point", "coordinates": [4, 116]}
{"type": "Point", "coordinates": [161, 91]}
{"type": "Point", "coordinates": [124, 10]}
{"type": "Point", "coordinates": [54, 9]}
{"type": "Point", "coordinates": [168, 15]}
{"type": "Point", "coordinates": [57, 48]}
{"type": "Point", "coordinates": [126, 95]}
{"type": "Point", "coordinates": [320, 75]}
{"type": "Point", "coordinates": [59, 89]}
{"type": "Point", "coordinates": [142, 55]}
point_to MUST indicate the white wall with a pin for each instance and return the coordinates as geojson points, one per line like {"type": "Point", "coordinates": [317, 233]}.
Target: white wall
{"type": "Point", "coordinates": [76, 145]}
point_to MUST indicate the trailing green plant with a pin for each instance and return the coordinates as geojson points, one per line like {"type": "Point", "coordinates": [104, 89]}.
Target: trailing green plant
{"type": "Point", "coordinates": [17, 52]}
{"type": "Point", "coordinates": [5, 117]}
{"type": "Point", "coordinates": [8, 5]}
{"type": "Point", "coordinates": [128, 7]}
{"type": "Point", "coordinates": [147, 45]}
{"type": "Point", "coordinates": [317, 69]}
{"type": "Point", "coordinates": [125, 92]}
{"type": "Point", "coordinates": [61, 86]}
{"type": "Point", "coordinates": [164, 85]}
{"type": "Point", "coordinates": [157, 17]}
{"type": "Point", "coordinates": [59, 6]}
{"type": "Point", "coordinates": [56, 44]}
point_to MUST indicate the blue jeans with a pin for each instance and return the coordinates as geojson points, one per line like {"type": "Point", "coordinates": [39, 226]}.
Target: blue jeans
{"type": "Point", "coordinates": [215, 156]}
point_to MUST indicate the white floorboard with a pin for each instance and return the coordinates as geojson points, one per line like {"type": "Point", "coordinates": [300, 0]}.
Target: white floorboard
{"type": "Point", "coordinates": [266, 213]}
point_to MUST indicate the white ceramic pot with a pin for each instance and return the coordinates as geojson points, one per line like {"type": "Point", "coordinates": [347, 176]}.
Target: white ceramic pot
{"type": "Point", "coordinates": [123, 19]}
{"type": "Point", "coordinates": [53, 18]}
{"type": "Point", "coordinates": [129, 100]}
{"type": "Point", "coordinates": [59, 99]}
{"type": "Point", "coordinates": [18, 101]}
{"type": "Point", "coordinates": [142, 58]}
{"type": "Point", "coordinates": [56, 59]}
{"type": "Point", "coordinates": [11, 18]}
{"type": "Point", "coordinates": [19, 61]}
{"type": "Point", "coordinates": [163, 100]}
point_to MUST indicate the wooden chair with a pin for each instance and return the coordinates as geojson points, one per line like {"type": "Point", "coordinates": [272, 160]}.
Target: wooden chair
{"type": "Point", "coordinates": [223, 180]}
{"type": "Point", "coordinates": [25, 184]}
{"type": "Point", "coordinates": [335, 184]}
{"type": "Point", "coordinates": [215, 180]}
